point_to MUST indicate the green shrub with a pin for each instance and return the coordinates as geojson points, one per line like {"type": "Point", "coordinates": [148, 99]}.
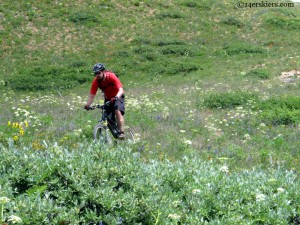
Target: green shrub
{"type": "Point", "coordinates": [232, 21]}
{"type": "Point", "coordinates": [285, 102]}
{"type": "Point", "coordinates": [115, 186]}
{"type": "Point", "coordinates": [45, 78]}
{"type": "Point", "coordinates": [180, 50]}
{"type": "Point", "coordinates": [228, 100]}
{"type": "Point", "coordinates": [242, 48]}
{"type": "Point", "coordinates": [282, 110]}
{"type": "Point", "coordinates": [279, 116]}
{"type": "Point", "coordinates": [259, 73]}
{"type": "Point", "coordinates": [283, 23]}
{"type": "Point", "coordinates": [83, 18]}
{"type": "Point", "coordinates": [203, 5]}
{"type": "Point", "coordinates": [170, 15]}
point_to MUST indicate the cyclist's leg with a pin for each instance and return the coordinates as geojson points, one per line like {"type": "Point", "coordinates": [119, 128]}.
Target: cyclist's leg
{"type": "Point", "coordinates": [119, 112]}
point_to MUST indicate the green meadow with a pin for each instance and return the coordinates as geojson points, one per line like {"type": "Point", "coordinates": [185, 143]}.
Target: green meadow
{"type": "Point", "coordinates": [212, 94]}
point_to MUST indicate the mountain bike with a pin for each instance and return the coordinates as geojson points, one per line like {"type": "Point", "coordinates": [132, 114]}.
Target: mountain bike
{"type": "Point", "coordinates": [106, 130]}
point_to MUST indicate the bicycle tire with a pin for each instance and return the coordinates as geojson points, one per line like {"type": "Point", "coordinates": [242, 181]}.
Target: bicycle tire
{"type": "Point", "coordinates": [129, 135]}
{"type": "Point", "coordinates": [101, 134]}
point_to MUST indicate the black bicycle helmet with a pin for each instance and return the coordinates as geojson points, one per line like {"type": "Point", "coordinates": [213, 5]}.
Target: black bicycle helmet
{"type": "Point", "coordinates": [98, 68]}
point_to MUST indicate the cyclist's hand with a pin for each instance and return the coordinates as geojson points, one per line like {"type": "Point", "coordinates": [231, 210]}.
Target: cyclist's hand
{"type": "Point", "coordinates": [86, 107]}
{"type": "Point", "coordinates": [112, 100]}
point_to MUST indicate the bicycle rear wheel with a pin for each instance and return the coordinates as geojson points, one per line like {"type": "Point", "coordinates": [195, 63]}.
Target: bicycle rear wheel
{"type": "Point", "coordinates": [102, 134]}
{"type": "Point", "coordinates": [129, 135]}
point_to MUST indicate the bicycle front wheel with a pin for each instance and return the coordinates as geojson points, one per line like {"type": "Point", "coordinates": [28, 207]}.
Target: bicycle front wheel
{"type": "Point", "coordinates": [101, 134]}
{"type": "Point", "coordinates": [129, 135]}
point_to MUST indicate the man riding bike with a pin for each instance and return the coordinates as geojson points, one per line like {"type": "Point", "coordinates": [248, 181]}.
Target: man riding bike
{"type": "Point", "coordinates": [112, 89]}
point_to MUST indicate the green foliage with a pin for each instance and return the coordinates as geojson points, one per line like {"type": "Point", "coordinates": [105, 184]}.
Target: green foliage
{"type": "Point", "coordinates": [228, 99]}
{"type": "Point", "coordinates": [62, 187]}
{"type": "Point", "coordinates": [284, 23]}
{"type": "Point", "coordinates": [179, 50]}
{"type": "Point", "coordinates": [259, 73]}
{"type": "Point", "coordinates": [45, 78]}
{"type": "Point", "coordinates": [232, 21]}
{"type": "Point", "coordinates": [284, 110]}
{"type": "Point", "coordinates": [84, 18]}
{"type": "Point", "coordinates": [170, 15]}
{"type": "Point", "coordinates": [242, 48]}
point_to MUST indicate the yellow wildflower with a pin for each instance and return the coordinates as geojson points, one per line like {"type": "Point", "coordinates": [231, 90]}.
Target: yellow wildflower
{"type": "Point", "coordinates": [26, 123]}
{"type": "Point", "coordinates": [21, 131]}
{"type": "Point", "coordinates": [8, 123]}
{"type": "Point", "coordinates": [15, 138]}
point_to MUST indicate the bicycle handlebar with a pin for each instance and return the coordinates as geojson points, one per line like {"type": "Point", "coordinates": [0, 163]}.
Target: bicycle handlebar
{"type": "Point", "coordinates": [99, 106]}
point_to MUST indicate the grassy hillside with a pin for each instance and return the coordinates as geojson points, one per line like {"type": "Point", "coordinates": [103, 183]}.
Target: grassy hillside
{"type": "Point", "coordinates": [206, 82]}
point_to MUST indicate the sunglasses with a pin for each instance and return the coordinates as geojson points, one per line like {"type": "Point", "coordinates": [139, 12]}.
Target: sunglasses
{"type": "Point", "coordinates": [97, 73]}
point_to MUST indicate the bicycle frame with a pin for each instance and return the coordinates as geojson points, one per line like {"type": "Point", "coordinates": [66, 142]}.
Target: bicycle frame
{"type": "Point", "coordinates": [108, 122]}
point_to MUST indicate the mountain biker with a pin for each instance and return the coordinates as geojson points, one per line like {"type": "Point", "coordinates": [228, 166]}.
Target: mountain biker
{"type": "Point", "coordinates": [112, 89]}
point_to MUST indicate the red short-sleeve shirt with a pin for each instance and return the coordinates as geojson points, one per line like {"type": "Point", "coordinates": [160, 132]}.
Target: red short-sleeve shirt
{"type": "Point", "coordinates": [110, 86]}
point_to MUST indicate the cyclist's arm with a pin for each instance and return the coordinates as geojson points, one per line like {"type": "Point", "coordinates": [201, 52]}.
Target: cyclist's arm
{"type": "Point", "coordinates": [90, 99]}
{"type": "Point", "coordinates": [120, 92]}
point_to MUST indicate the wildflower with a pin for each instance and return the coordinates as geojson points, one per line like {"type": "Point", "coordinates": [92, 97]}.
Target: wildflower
{"type": "Point", "coordinates": [260, 197]}
{"type": "Point", "coordinates": [14, 219]}
{"type": "Point", "coordinates": [280, 190]}
{"type": "Point", "coordinates": [182, 131]}
{"type": "Point", "coordinates": [196, 191]}
{"type": "Point", "coordinates": [21, 132]}
{"type": "Point", "coordinates": [174, 216]}
{"type": "Point", "coordinates": [4, 200]}
{"type": "Point", "coordinates": [262, 125]}
{"type": "Point", "coordinates": [137, 137]}
{"type": "Point", "coordinates": [187, 142]}
{"type": "Point", "coordinates": [15, 138]}
{"type": "Point", "coordinates": [224, 169]}
{"type": "Point", "coordinates": [247, 136]}
{"type": "Point", "coordinates": [26, 123]}
{"type": "Point", "coordinates": [8, 123]}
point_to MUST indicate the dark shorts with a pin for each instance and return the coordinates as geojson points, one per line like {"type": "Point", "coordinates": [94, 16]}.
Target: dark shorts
{"type": "Point", "coordinates": [118, 105]}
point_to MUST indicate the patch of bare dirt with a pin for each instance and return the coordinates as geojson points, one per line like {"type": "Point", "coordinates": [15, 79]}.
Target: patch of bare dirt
{"type": "Point", "coordinates": [290, 76]}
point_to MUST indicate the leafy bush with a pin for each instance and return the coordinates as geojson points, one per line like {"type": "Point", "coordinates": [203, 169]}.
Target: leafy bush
{"type": "Point", "coordinates": [45, 78]}
{"type": "Point", "coordinates": [204, 5]}
{"type": "Point", "coordinates": [114, 186]}
{"type": "Point", "coordinates": [180, 50]}
{"type": "Point", "coordinates": [232, 21]}
{"type": "Point", "coordinates": [283, 110]}
{"type": "Point", "coordinates": [242, 48]}
{"type": "Point", "coordinates": [283, 23]}
{"type": "Point", "coordinates": [83, 18]}
{"type": "Point", "coordinates": [228, 100]}
{"type": "Point", "coordinates": [158, 41]}
{"type": "Point", "coordinates": [259, 73]}
{"type": "Point", "coordinates": [171, 15]}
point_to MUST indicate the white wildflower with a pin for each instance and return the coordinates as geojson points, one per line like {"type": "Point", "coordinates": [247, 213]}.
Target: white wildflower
{"type": "Point", "coordinates": [187, 142]}
{"type": "Point", "coordinates": [224, 169]}
{"type": "Point", "coordinates": [4, 200]}
{"type": "Point", "coordinates": [280, 190]}
{"type": "Point", "coordinates": [262, 125]}
{"type": "Point", "coordinates": [174, 216]}
{"type": "Point", "coordinates": [14, 219]}
{"type": "Point", "coordinates": [247, 136]}
{"type": "Point", "coordinates": [196, 191]}
{"type": "Point", "coordinates": [260, 197]}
